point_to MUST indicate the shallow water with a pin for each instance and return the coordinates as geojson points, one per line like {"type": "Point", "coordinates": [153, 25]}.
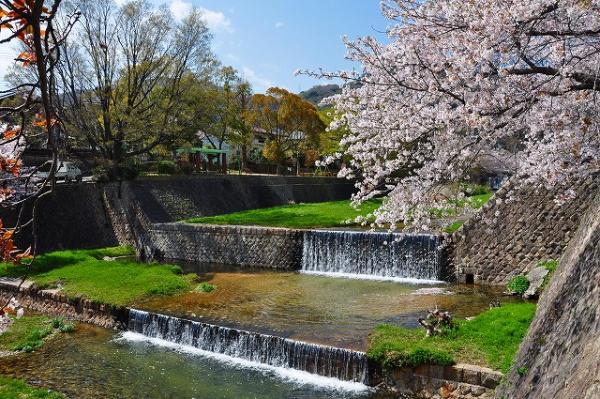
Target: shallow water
{"type": "Point", "coordinates": [97, 363]}
{"type": "Point", "coordinates": [334, 311]}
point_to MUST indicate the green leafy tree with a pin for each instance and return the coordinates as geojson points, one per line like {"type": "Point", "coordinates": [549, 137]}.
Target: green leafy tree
{"type": "Point", "coordinates": [124, 74]}
{"type": "Point", "coordinates": [292, 125]}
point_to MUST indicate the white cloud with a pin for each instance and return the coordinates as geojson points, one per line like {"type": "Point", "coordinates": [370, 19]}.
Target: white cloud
{"type": "Point", "coordinates": [180, 9]}
{"type": "Point", "coordinates": [216, 20]}
{"type": "Point", "coordinates": [232, 57]}
{"type": "Point", "coordinates": [260, 83]}
{"type": "Point", "coordinates": [279, 24]}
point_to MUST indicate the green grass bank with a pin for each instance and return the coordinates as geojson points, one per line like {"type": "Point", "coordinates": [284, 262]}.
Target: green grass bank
{"type": "Point", "coordinates": [118, 281]}
{"type": "Point", "coordinates": [491, 339]}
{"type": "Point", "coordinates": [300, 216]}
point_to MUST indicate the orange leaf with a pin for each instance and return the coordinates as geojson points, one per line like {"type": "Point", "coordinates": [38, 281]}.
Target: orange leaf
{"type": "Point", "coordinates": [9, 134]}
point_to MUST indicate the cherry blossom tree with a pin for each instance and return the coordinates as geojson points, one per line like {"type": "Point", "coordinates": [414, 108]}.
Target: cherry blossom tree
{"type": "Point", "coordinates": [453, 81]}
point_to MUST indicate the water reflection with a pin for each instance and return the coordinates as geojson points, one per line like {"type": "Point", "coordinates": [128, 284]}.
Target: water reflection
{"type": "Point", "coordinates": [332, 311]}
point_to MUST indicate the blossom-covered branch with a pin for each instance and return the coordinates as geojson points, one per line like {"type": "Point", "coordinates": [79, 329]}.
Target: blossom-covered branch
{"type": "Point", "coordinates": [456, 81]}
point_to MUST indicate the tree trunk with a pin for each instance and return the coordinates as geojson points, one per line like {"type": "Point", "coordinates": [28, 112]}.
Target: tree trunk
{"type": "Point", "coordinates": [244, 157]}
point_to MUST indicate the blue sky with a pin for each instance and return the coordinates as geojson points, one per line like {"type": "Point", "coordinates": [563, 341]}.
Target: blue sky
{"type": "Point", "coordinates": [267, 40]}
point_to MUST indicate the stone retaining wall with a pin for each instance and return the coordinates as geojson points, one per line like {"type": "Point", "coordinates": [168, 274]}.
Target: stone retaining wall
{"type": "Point", "coordinates": [560, 357]}
{"type": "Point", "coordinates": [461, 381]}
{"type": "Point", "coordinates": [57, 304]}
{"type": "Point", "coordinates": [275, 248]}
{"type": "Point", "coordinates": [530, 229]}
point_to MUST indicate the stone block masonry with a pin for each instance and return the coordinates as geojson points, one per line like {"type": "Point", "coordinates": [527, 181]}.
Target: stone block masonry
{"type": "Point", "coordinates": [532, 228]}
{"type": "Point", "coordinates": [443, 382]}
{"type": "Point", "coordinates": [560, 357]}
{"type": "Point", "coordinates": [275, 248]}
{"type": "Point", "coordinates": [58, 304]}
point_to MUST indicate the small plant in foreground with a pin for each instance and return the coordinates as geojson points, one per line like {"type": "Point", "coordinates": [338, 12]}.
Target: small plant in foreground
{"type": "Point", "coordinates": [437, 323]}
{"type": "Point", "coordinates": [522, 371]}
{"type": "Point", "coordinates": [518, 285]}
{"type": "Point", "coordinates": [206, 287]}
{"type": "Point", "coordinates": [60, 324]}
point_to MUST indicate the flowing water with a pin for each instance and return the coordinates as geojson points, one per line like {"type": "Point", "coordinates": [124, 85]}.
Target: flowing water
{"type": "Point", "coordinates": [373, 255]}
{"type": "Point", "coordinates": [94, 363]}
{"type": "Point", "coordinates": [343, 364]}
{"type": "Point", "coordinates": [322, 310]}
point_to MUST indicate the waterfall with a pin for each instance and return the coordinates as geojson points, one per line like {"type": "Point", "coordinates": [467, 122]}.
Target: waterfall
{"type": "Point", "coordinates": [343, 364]}
{"type": "Point", "coordinates": [372, 254]}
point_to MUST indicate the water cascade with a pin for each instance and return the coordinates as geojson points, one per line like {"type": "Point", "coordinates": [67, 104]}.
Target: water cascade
{"type": "Point", "coordinates": [378, 255]}
{"type": "Point", "coordinates": [343, 364]}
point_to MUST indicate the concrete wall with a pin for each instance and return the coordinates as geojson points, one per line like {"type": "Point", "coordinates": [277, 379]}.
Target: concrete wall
{"type": "Point", "coordinates": [179, 197]}
{"type": "Point", "coordinates": [532, 228]}
{"type": "Point", "coordinates": [561, 354]}
{"type": "Point", "coordinates": [232, 245]}
{"type": "Point", "coordinates": [100, 215]}
{"type": "Point", "coordinates": [72, 216]}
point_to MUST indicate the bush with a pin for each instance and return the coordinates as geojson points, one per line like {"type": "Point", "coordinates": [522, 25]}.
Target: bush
{"type": "Point", "coordinates": [126, 171]}
{"type": "Point", "coordinates": [100, 174]}
{"type": "Point", "coordinates": [166, 167]}
{"type": "Point", "coordinates": [518, 285]}
{"type": "Point", "coordinates": [206, 287]}
{"type": "Point", "coordinates": [62, 325]}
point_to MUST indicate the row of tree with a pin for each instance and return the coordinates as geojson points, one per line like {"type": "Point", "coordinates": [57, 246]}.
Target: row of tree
{"type": "Point", "coordinates": [133, 81]}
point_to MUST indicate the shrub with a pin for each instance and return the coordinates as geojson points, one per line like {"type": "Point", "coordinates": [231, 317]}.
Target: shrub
{"type": "Point", "coordinates": [166, 167]}
{"type": "Point", "coordinates": [60, 324]}
{"type": "Point", "coordinates": [522, 371]}
{"type": "Point", "coordinates": [106, 173]}
{"type": "Point", "coordinates": [100, 174]}
{"type": "Point", "coordinates": [206, 287]}
{"type": "Point", "coordinates": [518, 285]}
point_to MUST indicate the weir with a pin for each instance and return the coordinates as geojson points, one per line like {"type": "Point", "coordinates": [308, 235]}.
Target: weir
{"type": "Point", "coordinates": [343, 364]}
{"type": "Point", "coordinates": [373, 254]}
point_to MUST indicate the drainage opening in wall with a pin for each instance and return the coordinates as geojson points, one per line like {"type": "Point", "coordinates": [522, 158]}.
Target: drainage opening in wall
{"type": "Point", "coordinates": [469, 279]}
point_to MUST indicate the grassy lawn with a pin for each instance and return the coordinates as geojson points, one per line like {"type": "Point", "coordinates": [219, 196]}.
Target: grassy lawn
{"type": "Point", "coordinates": [302, 216]}
{"type": "Point", "coordinates": [331, 214]}
{"type": "Point", "coordinates": [11, 388]}
{"type": "Point", "coordinates": [491, 339]}
{"type": "Point", "coordinates": [117, 282]}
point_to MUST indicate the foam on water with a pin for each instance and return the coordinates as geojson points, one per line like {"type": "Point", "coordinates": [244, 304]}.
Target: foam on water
{"type": "Point", "coordinates": [355, 276]}
{"type": "Point", "coordinates": [291, 375]}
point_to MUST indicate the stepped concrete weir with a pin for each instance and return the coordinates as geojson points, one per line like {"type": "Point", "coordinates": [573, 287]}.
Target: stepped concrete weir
{"type": "Point", "coordinates": [377, 255]}
{"type": "Point", "coordinates": [323, 360]}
